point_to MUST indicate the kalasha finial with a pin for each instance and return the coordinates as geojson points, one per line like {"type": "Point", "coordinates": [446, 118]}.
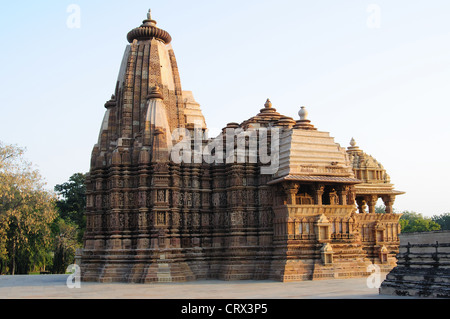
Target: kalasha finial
{"type": "Point", "coordinates": [149, 21]}
{"type": "Point", "coordinates": [304, 123]}
{"type": "Point", "coordinates": [353, 147]}
{"type": "Point", "coordinates": [303, 113]}
{"type": "Point", "coordinates": [268, 110]}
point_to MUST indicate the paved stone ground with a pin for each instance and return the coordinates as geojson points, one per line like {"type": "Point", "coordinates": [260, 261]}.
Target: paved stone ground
{"type": "Point", "coordinates": [54, 287]}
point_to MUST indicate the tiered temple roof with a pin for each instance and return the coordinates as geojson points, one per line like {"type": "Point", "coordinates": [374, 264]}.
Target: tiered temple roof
{"type": "Point", "coordinates": [374, 177]}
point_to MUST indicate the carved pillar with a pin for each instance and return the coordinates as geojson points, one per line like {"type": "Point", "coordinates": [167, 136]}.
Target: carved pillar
{"type": "Point", "coordinates": [318, 192]}
{"type": "Point", "coordinates": [343, 194]}
{"type": "Point", "coordinates": [388, 201]}
{"type": "Point", "coordinates": [291, 191]}
{"type": "Point", "coordinates": [371, 202]}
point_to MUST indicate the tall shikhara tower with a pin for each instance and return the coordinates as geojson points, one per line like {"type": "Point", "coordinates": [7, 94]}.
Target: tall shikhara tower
{"type": "Point", "coordinates": [152, 219]}
{"type": "Point", "coordinates": [130, 233]}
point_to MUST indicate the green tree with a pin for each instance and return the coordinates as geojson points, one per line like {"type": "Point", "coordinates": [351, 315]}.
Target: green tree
{"type": "Point", "coordinates": [69, 228]}
{"type": "Point", "coordinates": [65, 245]}
{"type": "Point", "coordinates": [379, 209]}
{"type": "Point", "coordinates": [415, 222]}
{"type": "Point", "coordinates": [71, 203]}
{"type": "Point", "coordinates": [443, 220]}
{"type": "Point", "coordinates": [26, 211]}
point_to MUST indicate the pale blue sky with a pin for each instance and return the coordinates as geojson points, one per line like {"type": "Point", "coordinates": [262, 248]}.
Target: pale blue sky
{"type": "Point", "coordinates": [387, 87]}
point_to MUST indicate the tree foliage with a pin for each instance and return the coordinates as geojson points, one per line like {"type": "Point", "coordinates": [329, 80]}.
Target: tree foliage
{"type": "Point", "coordinates": [415, 222]}
{"type": "Point", "coordinates": [69, 228]}
{"type": "Point", "coordinates": [72, 202]}
{"type": "Point", "coordinates": [64, 245]}
{"type": "Point", "coordinates": [27, 210]}
{"type": "Point", "coordinates": [443, 220]}
{"type": "Point", "coordinates": [380, 209]}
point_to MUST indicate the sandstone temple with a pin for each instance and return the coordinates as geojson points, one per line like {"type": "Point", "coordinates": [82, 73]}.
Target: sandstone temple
{"type": "Point", "coordinates": [270, 198]}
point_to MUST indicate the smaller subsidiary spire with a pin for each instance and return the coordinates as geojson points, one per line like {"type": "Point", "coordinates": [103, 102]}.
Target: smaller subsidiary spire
{"type": "Point", "coordinates": [156, 124]}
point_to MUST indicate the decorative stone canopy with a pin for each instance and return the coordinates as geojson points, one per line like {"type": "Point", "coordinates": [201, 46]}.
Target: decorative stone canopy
{"type": "Point", "coordinates": [326, 248]}
{"type": "Point", "coordinates": [376, 183]}
{"type": "Point", "coordinates": [148, 30]}
{"type": "Point", "coordinates": [370, 171]}
{"type": "Point", "coordinates": [322, 219]}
